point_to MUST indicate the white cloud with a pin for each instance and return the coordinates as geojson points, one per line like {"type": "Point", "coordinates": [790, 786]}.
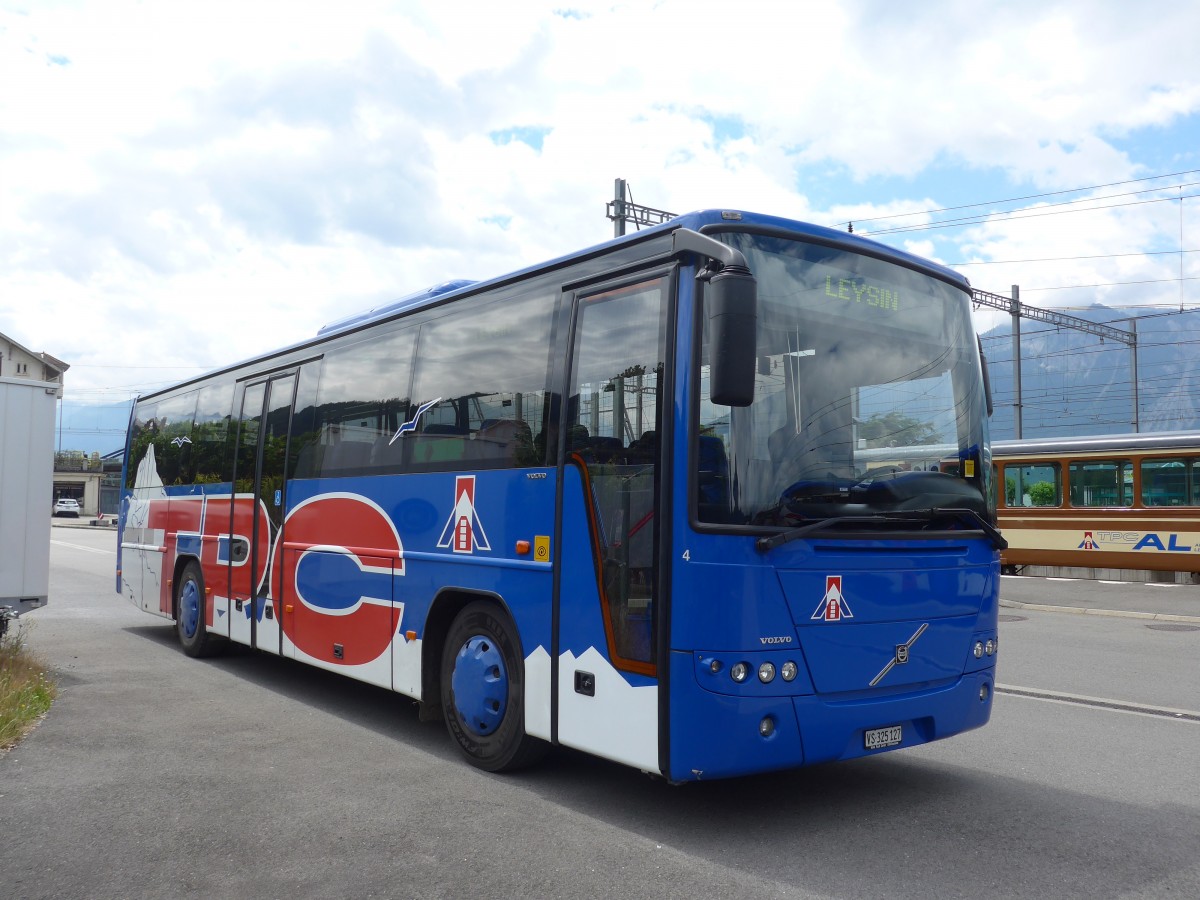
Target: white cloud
{"type": "Point", "coordinates": [192, 185]}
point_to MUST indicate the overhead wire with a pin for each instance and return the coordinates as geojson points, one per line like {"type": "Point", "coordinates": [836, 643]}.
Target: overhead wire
{"type": "Point", "coordinates": [1014, 217]}
{"type": "Point", "coordinates": [1078, 190]}
{"type": "Point", "coordinates": [997, 262]}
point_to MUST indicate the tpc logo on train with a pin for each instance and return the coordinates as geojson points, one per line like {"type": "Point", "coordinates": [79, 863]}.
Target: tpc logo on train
{"type": "Point", "coordinates": [1138, 540]}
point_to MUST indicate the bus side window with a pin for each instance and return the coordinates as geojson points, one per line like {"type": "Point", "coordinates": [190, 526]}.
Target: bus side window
{"type": "Point", "coordinates": [304, 449]}
{"type": "Point", "coordinates": [485, 364]}
{"type": "Point", "coordinates": [351, 402]}
{"type": "Point", "coordinates": [173, 443]}
{"type": "Point", "coordinates": [211, 435]}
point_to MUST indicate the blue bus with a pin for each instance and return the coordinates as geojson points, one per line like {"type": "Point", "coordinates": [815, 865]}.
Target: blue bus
{"type": "Point", "coordinates": [709, 499]}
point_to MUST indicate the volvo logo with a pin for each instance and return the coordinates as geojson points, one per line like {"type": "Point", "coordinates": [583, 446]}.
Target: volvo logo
{"type": "Point", "coordinates": [776, 640]}
{"type": "Point", "coordinates": [900, 657]}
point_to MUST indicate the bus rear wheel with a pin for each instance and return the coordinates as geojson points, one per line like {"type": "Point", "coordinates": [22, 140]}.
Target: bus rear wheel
{"type": "Point", "coordinates": [483, 690]}
{"type": "Point", "coordinates": [194, 637]}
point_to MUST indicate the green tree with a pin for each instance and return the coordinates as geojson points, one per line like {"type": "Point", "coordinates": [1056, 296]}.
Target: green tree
{"type": "Point", "coordinates": [1042, 494]}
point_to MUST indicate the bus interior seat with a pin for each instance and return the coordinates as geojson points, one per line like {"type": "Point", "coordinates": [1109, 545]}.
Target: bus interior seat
{"type": "Point", "coordinates": [308, 461]}
{"type": "Point", "coordinates": [642, 450]}
{"type": "Point", "coordinates": [713, 460]}
{"type": "Point", "coordinates": [346, 455]}
{"type": "Point", "coordinates": [607, 449]}
{"type": "Point", "coordinates": [578, 439]}
{"type": "Point", "coordinates": [502, 438]}
{"type": "Point", "coordinates": [712, 483]}
{"type": "Point", "coordinates": [387, 453]}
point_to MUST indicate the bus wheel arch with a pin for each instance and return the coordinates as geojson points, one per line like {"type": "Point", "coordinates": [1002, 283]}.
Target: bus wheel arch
{"type": "Point", "coordinates": [481, 685]}
{"type": "Point", "coordinates": [446, 605]}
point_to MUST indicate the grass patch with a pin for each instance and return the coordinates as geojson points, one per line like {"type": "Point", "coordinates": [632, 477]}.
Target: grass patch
{"type": "Point", "coordinates": [26, 692]}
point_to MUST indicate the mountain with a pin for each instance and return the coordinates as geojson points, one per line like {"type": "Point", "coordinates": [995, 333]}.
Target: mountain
{"type": "Point", "coordinates": [1074, 382]}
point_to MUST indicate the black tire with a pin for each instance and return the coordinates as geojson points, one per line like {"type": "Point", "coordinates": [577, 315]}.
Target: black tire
{"type": "Point", "coordinates": [483, 690]}
{"type": "Point", "coordinates": [194, 637]}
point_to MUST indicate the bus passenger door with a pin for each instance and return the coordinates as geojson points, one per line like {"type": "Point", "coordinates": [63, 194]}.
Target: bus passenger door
{"type": "Point", "coordinates": [258, 509]}
{"type": "Point", "coordinates": [608, 650]}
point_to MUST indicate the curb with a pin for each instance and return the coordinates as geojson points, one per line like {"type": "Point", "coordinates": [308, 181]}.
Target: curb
{"type": "Point", "coordinates": [1118, 613]}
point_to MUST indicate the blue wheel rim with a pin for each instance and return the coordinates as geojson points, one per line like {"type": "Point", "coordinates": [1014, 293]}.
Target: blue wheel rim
{"type": "Point", "coordinates": [189, 609]}
{"type": "Point", "coordinates": [480, 684]}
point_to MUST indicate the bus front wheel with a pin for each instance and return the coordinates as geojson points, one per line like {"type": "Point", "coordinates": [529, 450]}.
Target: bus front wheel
{"type": "Point", "coordinates": [483, 690]}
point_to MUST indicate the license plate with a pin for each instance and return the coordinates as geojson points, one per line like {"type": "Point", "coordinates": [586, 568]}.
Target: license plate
{"type": "Point", "coordinates": [878, 738]}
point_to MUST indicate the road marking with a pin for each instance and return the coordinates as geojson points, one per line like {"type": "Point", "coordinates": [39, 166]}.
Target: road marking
{"type": "Point", "coordinates": [1098, 611]}
{"type": "Point", "coordinates": [1153, 584]}
{"type": "Point", "coordinates": [1143, 709]}
{"type": "Point", "coordinates": [81, 547]}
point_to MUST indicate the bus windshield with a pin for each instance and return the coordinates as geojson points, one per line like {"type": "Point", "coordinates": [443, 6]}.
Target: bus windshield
{"type": "Point", "coordinates": [868, 395]}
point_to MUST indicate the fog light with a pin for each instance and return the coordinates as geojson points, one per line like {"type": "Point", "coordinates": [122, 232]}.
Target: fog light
{"type": "Point", "coordinates": [984, 691]}
{"type": "Point", "coordinates": [766, 727]}
{"type": "Point", "coordinates": [788, 671]}
{"type": "Point", "coordinates": [714, 666]}
{"type": "Point", "coordinates": [738, 672]}
{"type": "Point", "coordinates": [766, 672]}
{"type": "Point", "coordinates": [979, 649]}
{"type": "Point", "coordinates": [990, 649]}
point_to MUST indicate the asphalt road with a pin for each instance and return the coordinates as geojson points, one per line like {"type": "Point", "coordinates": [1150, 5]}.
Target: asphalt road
{"type": "Point", "coordinates": [156, 775]}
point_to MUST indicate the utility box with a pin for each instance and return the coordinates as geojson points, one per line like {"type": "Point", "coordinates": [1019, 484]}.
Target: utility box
{"type": "Point", "coordinates": [27, 411]}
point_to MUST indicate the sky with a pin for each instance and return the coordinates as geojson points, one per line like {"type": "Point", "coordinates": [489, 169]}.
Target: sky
{"type": "Point", "coordinates": [186, 185]}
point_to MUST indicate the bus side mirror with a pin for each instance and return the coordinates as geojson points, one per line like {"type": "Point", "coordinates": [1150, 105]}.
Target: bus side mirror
{"type": "Point", "coordinates": [731, 302]}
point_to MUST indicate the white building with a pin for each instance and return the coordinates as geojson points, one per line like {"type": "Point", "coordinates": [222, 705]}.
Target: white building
{"type": "Point", "coordinates": [21, 362]}
{"type": "Point", "coordinates": [17, 361]}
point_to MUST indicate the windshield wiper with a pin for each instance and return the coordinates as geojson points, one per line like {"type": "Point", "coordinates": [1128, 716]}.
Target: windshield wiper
{"type": "Point", "coordinates": [973, 518]}
{"type": "Point", "coordinates": [763, 544]}
{"type": "Point", "coordinates": [969, 516]}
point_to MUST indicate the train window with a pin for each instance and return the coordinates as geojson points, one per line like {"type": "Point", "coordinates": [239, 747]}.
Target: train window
{"type": "Point", "coordinates": [1101, 482]}
{"type": "Point", "coordinates": [1170, 482]}
{"type": "Point", "coordinates": [1035, 484]}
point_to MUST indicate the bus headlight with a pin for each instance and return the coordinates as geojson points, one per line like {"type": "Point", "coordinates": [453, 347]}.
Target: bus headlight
{"type": "Point", "coordinates": [990, 648]}
{"type": "Point", "coordinates": [766, 672]}
{"type": "Point", "coordinates": [979, 649]}
{"type": "Point", "coordinates": [739, 671]}
{"type": "Point", "coordinates": [788, 671]}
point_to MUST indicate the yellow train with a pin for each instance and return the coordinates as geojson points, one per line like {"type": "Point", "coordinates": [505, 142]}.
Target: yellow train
{"type": "Point", "coordinates": [1106, 502]}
